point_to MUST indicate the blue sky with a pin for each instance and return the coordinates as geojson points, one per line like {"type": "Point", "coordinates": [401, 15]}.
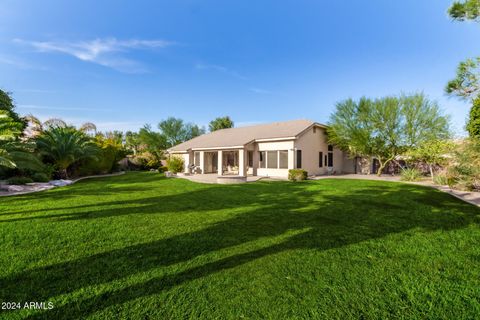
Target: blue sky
{"type": "Point", "coordinates": [121, 64]}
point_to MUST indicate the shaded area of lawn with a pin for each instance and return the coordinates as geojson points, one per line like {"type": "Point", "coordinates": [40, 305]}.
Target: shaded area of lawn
{"type": "Point", "coordinates": [224, 229]}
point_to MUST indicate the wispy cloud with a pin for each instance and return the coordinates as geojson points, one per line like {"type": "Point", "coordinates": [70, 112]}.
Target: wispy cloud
{"type": "Point", "coordinates": [105, 52]}
{"type": "Point", "coordinates": [221, 69]}
{"type": "Point", "coordinates": [260, 91]}
{"type": "Point", "coordinates": [37, 107]}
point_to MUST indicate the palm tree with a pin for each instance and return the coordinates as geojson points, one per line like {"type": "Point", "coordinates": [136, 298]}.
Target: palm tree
{"type": "Point", "coordinates": [65, 146]}
{"type": "Point", "coordinates": [8, 132]}
{"type": "Point", "coordinates": [14, 153]}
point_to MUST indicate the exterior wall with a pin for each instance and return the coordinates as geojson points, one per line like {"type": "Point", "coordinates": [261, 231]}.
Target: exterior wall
{"type": "Point", "coordinates": [273, 146]}
{"type": "Point", "coordinates": [311, 142]}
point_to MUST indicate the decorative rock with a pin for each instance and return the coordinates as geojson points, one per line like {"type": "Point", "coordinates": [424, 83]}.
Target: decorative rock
{"type": "Point", "coordinates": [60, 183]}
{"type": "Point", "coordinates": [15, 188]}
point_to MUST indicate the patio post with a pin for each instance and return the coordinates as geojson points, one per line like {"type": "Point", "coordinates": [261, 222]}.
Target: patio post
{"type": "Point", "coordinates": [220, 162]}
{"type": "Point", "coordinates": [241, 162]}
{"type": "Point", "coordinates": [202, 161]}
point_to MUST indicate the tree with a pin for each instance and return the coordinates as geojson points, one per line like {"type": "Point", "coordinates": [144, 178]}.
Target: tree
{"type": "Point", "coordinates": [152, 146]}
{"type": "Point", "coordinates": [220, 123]}
{"type": "Point", "coordinates": [466, 84]}
{"type": "Point", "coordinates": [473, 124]}
{"type": "Point", "coordinates": [432, 152]}
{"type": "Point", "coordinates": [466, 10]}
{"type": "Point", "coordinates": [64, 146]}
{"type": "Point", "coordinates": [177, 131]}
{"type": "Point", "coordinates": [386, 128]}
{"type": "Point", "coordinates": [9, 130]}
{"type": "Point", "coordinates": [6, 104]}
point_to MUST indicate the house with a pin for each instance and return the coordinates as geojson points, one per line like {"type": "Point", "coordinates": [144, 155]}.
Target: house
{"type": "Point", "coordinates": [264, 150]}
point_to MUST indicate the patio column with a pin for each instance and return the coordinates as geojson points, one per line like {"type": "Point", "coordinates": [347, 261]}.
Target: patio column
{"type": "Point", "coordinates": [241, 163]}
{"type": "Point", "coordinates": [186, 162]}
{"type": "Point", "coordinates": [202, 162]}
{"type": "Point", "coordinates": [220, 162]}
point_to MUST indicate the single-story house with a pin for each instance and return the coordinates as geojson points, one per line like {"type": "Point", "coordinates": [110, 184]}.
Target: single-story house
{"type": "Point", "coordinates": [264, 150]}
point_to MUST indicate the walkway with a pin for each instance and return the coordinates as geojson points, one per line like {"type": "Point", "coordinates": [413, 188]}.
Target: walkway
{"type": "Point", "coordinates": [211, 178]}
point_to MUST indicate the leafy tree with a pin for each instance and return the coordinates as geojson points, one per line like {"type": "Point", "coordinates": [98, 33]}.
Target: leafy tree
{"type": "Point", "coordinates": [466, 84]}
{"type": "Point", "coordinates": [386, 128]}
{"type": "Point", "coordinates": [6, 104]}
{"type": "Point", "coordinates": [466, 10]}
{"type": "Point", "coordinates": [432, 152]}
{"type": "Point", "coordinates": [152, 146]}
{"type": "Point", "coordinates": [132, 141]}
{"type": "Point", "coordinates": [9, 130]}
{"type": "Point", "coordinates": [64, 146]}
{"type": "Point", "coordinates": [220, 123]}
{"type": "Point", "coordinates": [473, 125]}
{"type": "Point", "coordinates": [177, 131]}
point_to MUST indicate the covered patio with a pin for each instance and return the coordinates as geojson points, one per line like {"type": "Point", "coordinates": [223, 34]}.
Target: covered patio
{"type": "Point", "coordinates": [221, 162]}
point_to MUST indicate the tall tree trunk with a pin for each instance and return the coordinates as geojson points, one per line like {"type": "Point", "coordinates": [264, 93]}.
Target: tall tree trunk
{"type": "Point", "coordinates": [431, 170]}
{"type": "Point", "coordinates": [63, 173]}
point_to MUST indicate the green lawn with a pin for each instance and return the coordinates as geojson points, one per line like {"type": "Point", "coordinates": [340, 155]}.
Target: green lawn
{"type": "Point", "coordinates": [141, 246]}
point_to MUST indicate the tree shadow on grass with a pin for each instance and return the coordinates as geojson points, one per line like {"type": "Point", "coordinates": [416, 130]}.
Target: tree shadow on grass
{"type": "Point", "coordinates": [331, 220]}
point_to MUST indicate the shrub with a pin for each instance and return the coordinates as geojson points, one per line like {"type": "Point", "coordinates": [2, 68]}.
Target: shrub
{"type": "Point", "coordinates": [19, 180]}
{"type": "Point", "coordinates": [410, 175]}
{"type": "Point", "coordinates": [162, 169]}
{"type": "Point", "coordinates": [441, 179]}
{"type": "Point", "coordinates": [297, 174]}
{"type": "Point", "coordinates": [40, 177]}
{"type": "Point", "coordinates": [175, 164]}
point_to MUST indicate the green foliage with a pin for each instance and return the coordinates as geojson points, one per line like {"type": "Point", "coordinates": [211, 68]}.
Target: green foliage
{"type": "Point", "coordinates": [40, 177]}
{"type": "Point", "coordinates": [431, 152]}
{"type": "Point", "coordinates": [19, 180]}
{"type": "Point", "coordinates": [464, 173]}
{"type": "Point", "coordinates": [220, 123]}
{"type": "Point", "coordinates": [410, 174]}
{"type": "Point", "coordinates": [163, 169]}
{"type": "Point", "coordinates": [177, 131]}
{"type": "Point", "coordinates": [441, 179]}
{"type": "Point", "coordinates": [465, 10]}
{"type": "Point", "coordinates": [387, 127]}
{"type": "Point", "coordinates": [466, 83]}
{"type": "Point", "coordinates": [7, 105]}
{"type": "Point", "coordinates": [64, 146]}
{"type": "Point", "coordinates": [175, 164]}
{"type": "Point", "coordinates": [297, 175]}
{"type": "Point", "coordinates": [473, 124]}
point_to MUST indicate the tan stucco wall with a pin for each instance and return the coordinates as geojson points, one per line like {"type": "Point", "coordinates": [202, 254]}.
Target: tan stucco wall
{"type": "Point", "coordinates": [311, 143]}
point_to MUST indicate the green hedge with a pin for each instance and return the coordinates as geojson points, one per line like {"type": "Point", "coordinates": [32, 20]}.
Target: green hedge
{"type": "Point", "coordinates": [19, 180]}
{"type": "Point", "coordinates": [297, 174]}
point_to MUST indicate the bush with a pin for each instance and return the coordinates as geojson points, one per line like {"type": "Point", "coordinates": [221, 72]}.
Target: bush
{"type": "Point", "coordinates": [162, 169]}
{"type": "Point", "coordinates": [441, 179]}
{"type": "Point", "coordinates": [40, 177]}
{"type": "Point", "coordinates": [297, 175]}
{"type": "Point", "coordinates": [19, 180]}
{"type": "Point", "coordinates": [410, 175]}
{"type": "Point", "coordinates": [175, 164]}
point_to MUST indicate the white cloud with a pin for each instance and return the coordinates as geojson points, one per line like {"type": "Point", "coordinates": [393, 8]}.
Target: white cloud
{"type": "Point", "coordinates": [14, 62]}
{"type": "Point", "coordinates": [105, 52]}
{"type": "Point", "coordinates": [221, 69]}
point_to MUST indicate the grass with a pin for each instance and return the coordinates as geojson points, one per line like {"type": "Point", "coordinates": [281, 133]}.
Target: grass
{"type": "Point", "coordinates": [141, 246]}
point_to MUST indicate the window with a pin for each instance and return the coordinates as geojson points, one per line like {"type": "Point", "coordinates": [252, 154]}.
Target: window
{"type": "Point", "coordinates": [272, 159]}
{"type": "Point", "coordinates": [197, 159]}
{"type": "Point", "coordinates": [262, 162]}
{"type": "Point", "coordinates": [299, 159]}
{"type": "Point", "coordinates": [283, 159]}
{"type": "Point", "coordinates": [330, 147]}
{"type": "Point", "coordinates": [320, 159]}
{"type": "Point", "coordinates": [330, 159]}
{"type": "Point", "coordinates": [250, 158]}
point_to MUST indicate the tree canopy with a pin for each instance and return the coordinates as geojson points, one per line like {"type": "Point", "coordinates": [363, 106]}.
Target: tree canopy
{"type": "Point", "coordinates": [387, 127]}
{"type": "Point", "coordinates": [465, 10]}
{"type": "Point", "coordinates": [220, 123]}
{"type": "Point", "coordinates": [176, 131]}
